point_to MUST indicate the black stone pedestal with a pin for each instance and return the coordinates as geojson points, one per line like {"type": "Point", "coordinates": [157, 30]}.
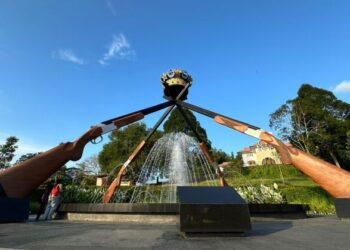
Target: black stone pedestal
{"type": "Point", "coordinates": [212, 211]}
{"type": "Point", "coordinates": [342, 206]}
{"type": "Point", "coordinates": [13, 210]}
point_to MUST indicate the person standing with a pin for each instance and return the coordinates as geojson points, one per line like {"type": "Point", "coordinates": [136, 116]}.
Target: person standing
{"type": "Point", "coordinates": [44, 200]}
{"type": "Point", "coordinates": [55, 199]}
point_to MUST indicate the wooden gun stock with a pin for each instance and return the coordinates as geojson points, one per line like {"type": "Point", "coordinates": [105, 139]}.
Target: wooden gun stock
{"type": "Point", "coordinates": [116, 182]}
{"type": "Point", "coordinates": [128, 119]}
{"type": "Point", "coordinates": [21, 180]}
{"type": "Point", "coordinates": [334, 180]}
{"type": "Point", "coordinates": [114, 185]}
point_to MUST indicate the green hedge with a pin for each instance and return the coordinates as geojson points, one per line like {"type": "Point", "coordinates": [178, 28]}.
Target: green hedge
{"type": "Point", "coordinates": [316, 198]}
{"type": "Point", "coordinates": [272, 172]}
{"type": "Point", "coordinates": [77, 194]}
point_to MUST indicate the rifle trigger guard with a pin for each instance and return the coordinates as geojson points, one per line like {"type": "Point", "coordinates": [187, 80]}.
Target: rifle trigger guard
{"type": "Point", "coordinates": [94, 141]}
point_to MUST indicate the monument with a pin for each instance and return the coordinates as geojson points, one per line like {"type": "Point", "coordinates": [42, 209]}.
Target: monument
{"type": "Point", "coordinates": [19, 181]}
{"type": "Point", "coordinates": [212, 211]}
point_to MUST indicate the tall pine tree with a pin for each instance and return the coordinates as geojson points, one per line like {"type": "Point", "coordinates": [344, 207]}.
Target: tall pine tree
{"type": "Point", "coordinates": [177, 123]}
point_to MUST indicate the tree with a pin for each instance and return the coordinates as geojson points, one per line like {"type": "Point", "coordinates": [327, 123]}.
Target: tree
{"type": "Point", "coordinates": [315, 122]}
{"type": "Point", "coordinates": [7, 151]}
{"type": "Point", "coordinates": [220, 156]}
{"type": "Point", "coordinates": [76, 175]}
{"type": "Point", "coordinates": [61, 175]}
{"type": "Point", "coordinates": [90, 165]}
{"type": "Point", "coordinates": [84, 173]}
{"type": "Point", "coordinates": [235, 166]}
{"type": "Point", "coordinates": [348, 145]}
{"type": "Point", "coordinates": [176, 123]}
{"type": "Point", "coordinates": [122, 143]}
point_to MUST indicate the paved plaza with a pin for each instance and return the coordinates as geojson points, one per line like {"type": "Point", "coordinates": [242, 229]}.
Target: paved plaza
{"type": "Point", "coordinates": [312, 233]}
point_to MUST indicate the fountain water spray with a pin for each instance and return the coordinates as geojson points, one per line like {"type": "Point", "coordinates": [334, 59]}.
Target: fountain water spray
{"type": "Point", "coordinates": [175, 160]}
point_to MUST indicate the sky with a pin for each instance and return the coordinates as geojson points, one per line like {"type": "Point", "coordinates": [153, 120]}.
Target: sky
{"type": "Point", "coordinates": [68, 65]}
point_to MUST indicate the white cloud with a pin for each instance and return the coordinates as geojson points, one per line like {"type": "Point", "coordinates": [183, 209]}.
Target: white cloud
{"type": "Point", "coordinates": [68, 55]}
{"type": "Point", "coordinates": [111, 7]}
{"type": "Point", "coordinates": [343, 87]}
{"type": "Point", "coordinates": [119, 49]}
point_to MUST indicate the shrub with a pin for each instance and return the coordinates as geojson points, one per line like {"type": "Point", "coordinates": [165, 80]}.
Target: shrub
{"type": "Point", "coordinates": [78, 194]}
{"type": "Point", "coordinates": [261, 194]}
{"type": "Point", "coordinates": [89, 181]}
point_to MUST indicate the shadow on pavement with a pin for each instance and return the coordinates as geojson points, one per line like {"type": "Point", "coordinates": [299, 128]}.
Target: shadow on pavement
{"type": "Point", "coordinates": [268, 227]}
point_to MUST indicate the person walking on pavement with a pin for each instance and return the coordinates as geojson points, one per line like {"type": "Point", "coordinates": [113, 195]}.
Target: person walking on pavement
{"type": "Point", "coordinates": [44, 200]}
{"type": "Point", "coordinates": [55, 199]}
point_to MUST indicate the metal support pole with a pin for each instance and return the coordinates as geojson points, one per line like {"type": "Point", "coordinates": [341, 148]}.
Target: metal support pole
{"type": "Point", "coordinates": [214, 115]}
{"type": "Point", "coordinates": [118, 122]}
{"type": "Point", "coordinates": [116, 182]}
{"type": "Point", "coordinates": [144, 112]}
{"type": "Point", "coordinates": [204, 148]}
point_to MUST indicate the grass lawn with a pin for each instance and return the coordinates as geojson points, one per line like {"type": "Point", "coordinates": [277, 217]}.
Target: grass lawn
{"type": "Point", "coordinates": [294, 185]}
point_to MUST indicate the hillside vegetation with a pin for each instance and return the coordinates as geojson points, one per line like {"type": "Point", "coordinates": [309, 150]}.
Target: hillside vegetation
{"type": "Point", "coordinates": [294, 185]}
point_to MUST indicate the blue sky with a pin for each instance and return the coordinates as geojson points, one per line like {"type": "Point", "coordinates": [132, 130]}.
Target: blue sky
{"type": "Point", "coordinates": [67, 65]}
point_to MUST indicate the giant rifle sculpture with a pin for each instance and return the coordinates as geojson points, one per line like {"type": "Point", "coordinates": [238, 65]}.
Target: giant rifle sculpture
{"type": "Point", "coordinates": [22, 179]}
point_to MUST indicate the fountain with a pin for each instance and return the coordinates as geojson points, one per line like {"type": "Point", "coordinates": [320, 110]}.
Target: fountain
{"type": "Point", "coordinates": [177, 178]}
{"type": "Point", "coordinates": [175, 160]}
